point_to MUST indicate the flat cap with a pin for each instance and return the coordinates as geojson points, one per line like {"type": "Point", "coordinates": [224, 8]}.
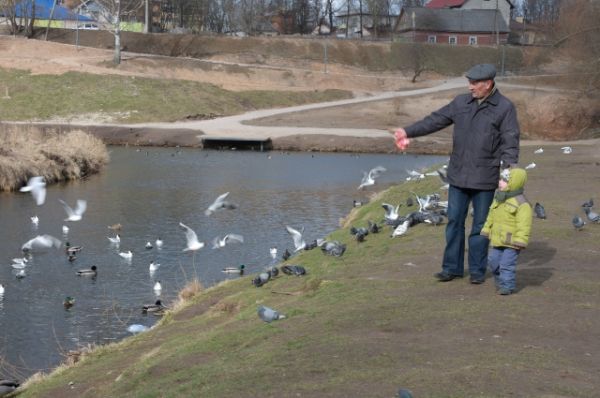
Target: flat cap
{"type": "Point", "coordinates": [481, 72]}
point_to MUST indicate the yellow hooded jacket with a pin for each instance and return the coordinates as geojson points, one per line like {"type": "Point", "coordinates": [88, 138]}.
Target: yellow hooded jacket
{"type": "Point", "coordinates": [509, 222]}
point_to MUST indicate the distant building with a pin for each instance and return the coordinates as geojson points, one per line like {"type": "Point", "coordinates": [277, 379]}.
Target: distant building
{"type": "Point", "coordinates": [372, 25]}
{"type": "Point", "coordinates": [59, 16]}
{"type": "Point", "coordinates": [504, 7]}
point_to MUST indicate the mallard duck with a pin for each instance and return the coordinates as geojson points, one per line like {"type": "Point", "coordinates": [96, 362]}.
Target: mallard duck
{"type": "Point", "coordinates": [234, 270]}
{"type": "Point", "coordinates": [156, 307]}
{"type": "Point", "coordinates": [72, 257]}
{"type": "Point", "coordinates": [69, 302]}
{"type": "Point", "coordinates": [93, 271]}
{"type": "Point", "coordinates": [115, 227]}
{"type": "Point", "coordinates": [72, 249]}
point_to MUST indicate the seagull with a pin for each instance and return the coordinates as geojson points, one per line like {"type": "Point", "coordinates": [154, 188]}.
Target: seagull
{"type": "Point", "coordinates": [2, 289]}
{"type": "Point", "coordinates": [229, 238]}
{"type": "Point", "coordinates": [157, 288]}
{"type": "Point", "coordinates": [391, 212]}
{"type": "Point", "coordinates": [539, 210]}
{"type": "Point", "coordinates": [566, 150]}
{"type": "Point", "coordinates": [41, 242]}
{"type": "Point", "coordinates": [74, 215]}
{"type": "Point", "coordinates": [369, 178]}
{"type": "Point", "coordinates": [159, 243]}
{"type": "Point", "coordinates": [401, 229]}
{"type": "Point", "coordinates": [65, 230]}
{"type": "Point", "coordinates": [93, 271]}
{"type": "Point", "coordinates": [218, 204]}
{"type": "Point", "coordinates": [273, 252]}
{"type": "Point", "coordinates": [299, 243]}
{"type": "Point", "coordinates": [22, 261]}
{"type": "Point", "coordinates": [538, 151]}
{"type": "Point", "coordinates": [591, 215]}
{"type": "Point", "coordinates": [578, 223]}
{"type": "Point", "coordinates": [37, 187]}
{"type": "Point", "coordinates": [192, 239]}
{"type": "Point", "coordinates": [128, 255]}
{"type": "Point", "coordinates": [149, 245]}
{"type": "Point", "coordinates": [116, 240]}
{"type": "Point", "coordinates": [530, 166]}
{"type": "Point", "coordinates": [35, 220]}
{"type": "Point", "coordinates": [153, 267]}
{"type": "Point", "coordinates": [414, 175]}
{"type": "Point", "coordinates": [268, 314]}
{"type": "Point", "coordinates": [137, 328]}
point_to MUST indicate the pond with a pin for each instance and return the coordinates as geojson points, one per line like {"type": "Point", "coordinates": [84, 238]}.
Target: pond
{"type": "Point", "coordinates": [149, 192]}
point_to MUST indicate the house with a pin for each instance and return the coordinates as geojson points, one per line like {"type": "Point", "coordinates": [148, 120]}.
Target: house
{"type": "Point", "coordinates": [455, 26]}
{"type": "Point", "coordinates": [504, 7]}
{"type": "Point", "coordinates": [45, 10]}
{"type": "Point", "coordinates": [349, 24]}
{"type": "Point", "coordinates": [528, 34]}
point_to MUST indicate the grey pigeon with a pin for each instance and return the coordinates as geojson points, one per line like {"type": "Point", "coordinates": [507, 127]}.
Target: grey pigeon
{"type": "Point", "coordinates": [539, 210]}
{"type": "Point", "coordinates": [261, 279]}
{"type": "Point", "coordinates": [296, 270]}
{"type": "Point", "coordinates": [286, 254]}
{"type": "Point", "coordinates": [7, 386]}
{"type": "Point", "coordinates": [578, 222]}
{"type": "Point", "coordinates": [272, 270]}
{"type": "Point", "coordinates": [409, 201]}
{"type": "Point", "coordinates": [591, 215]}
{"type": "Point", "coordinates": [589, 203]}
{"type": "Point", "coordinates": [373, 227]}
{"type": "Point", "coordinates": [404, 393]}
{"type": "Point", "coordinates": [333, 248]}
{"type": "Point", "coordinates": [434, 218]}
{"type": "Point", "coordinates": [269, 314]}
{"type": "Point", "coordinates": [359, 233]}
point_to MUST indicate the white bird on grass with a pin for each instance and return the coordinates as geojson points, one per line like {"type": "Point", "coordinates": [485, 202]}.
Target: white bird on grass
{"type": "Point", "coordinates": [391, 212]}
{"type": "Point", "coordinates": [218, 204]}
{"type": "Point", "coordinates": [77, 214]}
{"type": "Point", "coordinates": [299, 243]}
{"type": "Point", "coordinates": [538, 151]}
{"type": "Point", "coordinates": [369, 178]}
{"type": "Point", "coordinates": [566, 150]}
{"type": "Point", "coordinates": [227, 239]}
{"type": "Point", "coordinates": [192, 239]}
{"type": "Point", "coordinates": [401, 229]}
{"type": "Point", "coordinates": [37, 187]}
{"type": "Point", "coordinates": [530, 166]}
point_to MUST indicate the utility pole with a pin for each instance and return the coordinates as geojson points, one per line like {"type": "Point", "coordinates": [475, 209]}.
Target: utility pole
{"type": "Point", "coordinates": [496, 25]}
{"type": "Point", "coordinates": [49, 19]}
{"type": "Point", "coordinates": [146, 16]}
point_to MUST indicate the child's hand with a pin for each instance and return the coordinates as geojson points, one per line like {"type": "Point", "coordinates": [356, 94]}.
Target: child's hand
{"type": "Point", "coordinates": [401, 138]}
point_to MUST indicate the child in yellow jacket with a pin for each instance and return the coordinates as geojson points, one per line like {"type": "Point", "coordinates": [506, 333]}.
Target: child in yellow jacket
{"type": "Point", "coordinates": [508, 227]}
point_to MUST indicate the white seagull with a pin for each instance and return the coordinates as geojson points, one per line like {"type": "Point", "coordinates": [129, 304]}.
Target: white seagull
{"type": "Point", "coordinates": [41, 242]}
{"type": "Point", "coordinates": [74, 215]}
{"type": "Point", "coordinates": [273, 252]}
{"type": "Point", "coordinates": [157, 288]}
{"type": "Point", "coordinates": [128, 255]}
{"type": "Point", "coordinates": [229, 238]}
{"type": "Point", "coordinates": [538, 151]}
{"type": "Point", "coordinates": [218, 204]}
{"type": "Point", "coordinates": [391, 212]}
{"type": "Point", "coordinates": [401, 229]}
{"type": "Point", "coordinates": [192, 239]}
{"type": "Point", "coordinates": [35, 220]}
{"type": "Point", "coordinates": [566, 150]}
{"type": "Point", "coordinates": [65, 230]}
{"type": "Point", "coordinates": [153, 267]}
{"type": "Point", "coordinates": [115, 240]}
{"type": "Point", "coordinates": [159, 243]}
{"type": "Point", "coordinates": [369, 178]}
{"type": "Point", "coordinates": [299, 243]}
{"type": "Point", "coordinates": [530, 166]}
{"type": "Point", "coordinates": [37, 187]}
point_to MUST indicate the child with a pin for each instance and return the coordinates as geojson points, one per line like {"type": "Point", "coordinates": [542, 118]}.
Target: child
{"type": "Point", "coordinates": [508, 226]}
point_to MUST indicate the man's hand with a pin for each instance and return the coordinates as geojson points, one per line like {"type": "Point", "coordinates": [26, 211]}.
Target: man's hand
{"type": "Point", "coordinates": [402, 140]}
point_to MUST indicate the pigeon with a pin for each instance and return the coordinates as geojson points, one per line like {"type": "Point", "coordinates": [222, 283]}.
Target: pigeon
{"type": "Point", "coordinates": [156, 307]}
{"type": "Point", "coordinates": [153, 267]}
{"type": "Point", "coordinates": [433, 218]}
{"type": "Point", "coordinates": [40, 243]}
{"type": "Point", "coordinates": [137, 328]}
{"type": "Point", "coordinates": [566, 150]}
{"type": "Point", "coordinates": [93, 271]}
{"type": "Point", "coordinates": [359, 233]}
{"type": "Point", "coordinates": [539, 210]}
{"type": "Point", "coordinates": [530, 166]}
{"type": "Point", "coordinates": [157, 288]}
{"type": "Point", "coordinates": [369, 178]}
{"type": "Point", "coordinates": [74, 215]}
{"type": "Point", "coordinates": [218, 204]}
{"type": "Point", "coordinates": [333, 248]}
{"type": "Point", "coordinates": [409, 202]}
{"type": "Point", "coordinates": [116, 240]}
{"type": "Point", "coordinates": [261, 279]}
{"type": "Point", "coordinates": [227, 239]}
{"type": "Point", "coordinates": [192, 239]}
{"type": "Point", "coordinates": [35, 220]}
{"type": "Point", "coordinates": [311, 245]}
{"type": "Point", "coordinates": [589, 203]}
{"type": "Point", "coordinates": [234, 270]}
{"type": "Point", "coordinates": [128, 255]}
{"type": "Point", "coordinates": [37, 187]}
{"type": "Point", "coordinates": [591, 215]}
{"type": "Point", "coordinates": [373, 227]}
{"type": "Point", "coordinates": [391, 212]}
{"type": "Point", "coordinates": [296, 270]}
{"type": "Point", "coordinates": [404, 393]}
{"type": "Point", "coordinates": [286, 254]}
{"type": "Point", "coordinates": [299, 243]}
{"type": "Point", "coordinates": [271, 269]}
{"type": "Point", "coordinates": [578, 222]}
{"type": "Point", "coordinates": [401, 229]}
{"type": "Point", "coordinates": [268, 314]}
{"type": "Point", "coordinates": [7, 386]}
{"type": "Point", "coordinates": [539, 151]}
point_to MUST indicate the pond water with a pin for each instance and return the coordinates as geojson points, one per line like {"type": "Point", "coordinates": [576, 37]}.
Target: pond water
{"type": "Point", "coordinates": [149, 191]}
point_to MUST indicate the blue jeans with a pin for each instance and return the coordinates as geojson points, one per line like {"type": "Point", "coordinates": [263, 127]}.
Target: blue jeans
{"type": "Point", "coordinates": [458, 207]}
{"type": "Point", "coordinates": [503, 264]}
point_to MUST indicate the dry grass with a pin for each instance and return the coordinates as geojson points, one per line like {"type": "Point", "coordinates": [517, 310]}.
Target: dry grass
{"type": "Point", "coordinates": [189, 291]}
{"type": "Point", "coordinates": [55, 156]}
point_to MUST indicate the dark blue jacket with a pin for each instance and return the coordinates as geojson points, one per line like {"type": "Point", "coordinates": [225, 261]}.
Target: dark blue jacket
{"type": "Point", "coordinates": [483, 136]}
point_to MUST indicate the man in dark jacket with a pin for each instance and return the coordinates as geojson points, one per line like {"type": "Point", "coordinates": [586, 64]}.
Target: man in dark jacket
{"type": "Point", "coordinates": [486, 136]}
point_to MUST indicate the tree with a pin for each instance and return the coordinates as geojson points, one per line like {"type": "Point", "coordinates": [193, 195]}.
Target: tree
{"type": "Point", "coordinates": [112, 10]}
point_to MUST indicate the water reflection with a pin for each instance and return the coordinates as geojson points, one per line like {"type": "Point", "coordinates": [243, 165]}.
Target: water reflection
{"type": "Point", "coordinates": [149, 192]}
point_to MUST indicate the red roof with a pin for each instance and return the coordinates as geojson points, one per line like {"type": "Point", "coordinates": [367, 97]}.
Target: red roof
{"type": "Point", "coordinates": [445, 3]}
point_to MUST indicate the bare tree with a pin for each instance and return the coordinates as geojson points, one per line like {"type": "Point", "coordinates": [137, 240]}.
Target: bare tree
{"type": "Point", "coordinates": [26, 10]}
{"type": "Point", "coordinates": [112, 11]}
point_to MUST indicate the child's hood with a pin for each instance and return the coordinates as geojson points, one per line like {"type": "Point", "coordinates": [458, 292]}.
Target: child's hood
{"type": "Point", "coordinates": [517, 180]}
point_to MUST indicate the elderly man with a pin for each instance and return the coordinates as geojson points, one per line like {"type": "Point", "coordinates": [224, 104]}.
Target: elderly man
{"type": "Point", "coordinates": [486, 136]}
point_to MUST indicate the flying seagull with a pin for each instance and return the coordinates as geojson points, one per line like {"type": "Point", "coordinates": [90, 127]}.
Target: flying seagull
{"type": "Point", "coordinates": [391, 212]}
{"type": "Point", "coordinates": [192, 239]}
{"type": "Point", "coordinates": [74, 215]}
{"type": "Point", "coordinates": [369, 178]}
{"type": "Point", "coordinates": [539, 151]}
{"type": "Point", "coordinates": [227, 239]}
{"type": "Point", "coordinates": [37, 187]}
{"type": "Point", "coordinates": [41, 242]}
{"type": "Point", "coordinates": [299, 243]}
{"type": "Point", "coordinates": [218, 204]}
{"type": "Point", "coordinates": [566, 150]}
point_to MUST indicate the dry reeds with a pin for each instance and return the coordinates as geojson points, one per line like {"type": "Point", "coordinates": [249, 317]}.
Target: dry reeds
{"type": "Point", "coordinates": [28, 152]}
{"type": "Point", "coordinates": [189, 291]}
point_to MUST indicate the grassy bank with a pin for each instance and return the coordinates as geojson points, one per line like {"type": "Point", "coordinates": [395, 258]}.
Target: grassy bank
{"type": "Point", "coordinates": [374, 320]}
{"type": "Point", "coordinates": [57, 157]}
{"type": "Point", "coordinates": [125, 99]}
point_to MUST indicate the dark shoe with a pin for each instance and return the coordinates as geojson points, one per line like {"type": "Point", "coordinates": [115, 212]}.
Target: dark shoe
{"type": "Point", "coordinates": [476, 280]}
{"type": "Point", "coordinates": [504, 292]}
{"type": "Point", "coordinates": [445, 277]}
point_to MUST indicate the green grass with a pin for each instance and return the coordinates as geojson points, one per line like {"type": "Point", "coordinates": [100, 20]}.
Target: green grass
{"type": "Point", "coordinates": [134, 99]}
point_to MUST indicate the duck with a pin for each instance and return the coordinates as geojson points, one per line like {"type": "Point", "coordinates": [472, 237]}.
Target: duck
{"type": "Point", "coordinates": [68, 302]}
{"type": "Point", "coordinates": [72, 257]}
{"type": "Point", "coordinates": [93, 271]}
{"type": "Point", "coordinates": [234, 270]}
{"type": "Point", "coordinates": [156, 307]}
{"type": "Point", "coordinates": [115, 227]}
{"type": "Point", "coordinates": [21, 274]}
{"type": "Point", "coordinates": [72, 249]}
